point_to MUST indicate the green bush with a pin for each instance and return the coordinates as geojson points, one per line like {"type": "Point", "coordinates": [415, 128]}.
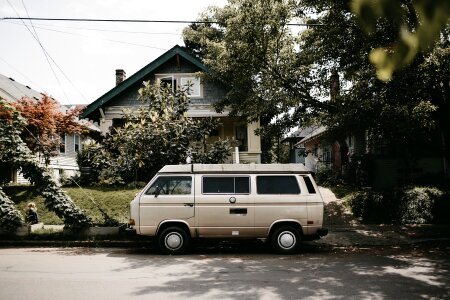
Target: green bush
{"type": "Point", "coordinates": [409, 205]}
{"type": "Point", "coordinates": [374, 207]}
{"type": "Point", "coordinates": [418, 204]}
{"type": "Point", "coordinates": [10, 217]}
{"type": "Point", "coordinates": [327, 177]}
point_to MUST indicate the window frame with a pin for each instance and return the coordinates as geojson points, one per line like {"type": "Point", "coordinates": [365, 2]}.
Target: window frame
{"type": "Point", "coordinates": [75, 144]}
{"type": "Point", "coordinates": [272, 175]}
{"type": "Point", "coordinates": [192, 79]}
{"type": "Point", "coordinates": [234, 184]}
{"type": "Point", "coordinates": [168, 176]}
{"type": "Point", "coordinates": [178, 78]}
{"type": "Point", "coordinates": [62, 145]}
{"type": "Point", "coordinates": [309, 184]}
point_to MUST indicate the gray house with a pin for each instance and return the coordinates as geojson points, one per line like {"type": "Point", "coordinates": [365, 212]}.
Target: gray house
{"type": "Point", "coordinates": [178, 68]}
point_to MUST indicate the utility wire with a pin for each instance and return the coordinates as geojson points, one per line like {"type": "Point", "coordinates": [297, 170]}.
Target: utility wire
{"type": "Point", "coordinates": [102, 30]}
{"type": "Point", "coordinates": [135, 21]}
{"type": "Point", "coordinates": [83, 35]}
{"type": "Point", "coordinates": [59, 68]}
{"type": "Point", "coordinates": [42, 47]}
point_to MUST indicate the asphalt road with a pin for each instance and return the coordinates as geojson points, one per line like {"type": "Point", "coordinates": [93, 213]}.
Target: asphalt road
{"type": "Point", "coordinates": [210, 273]}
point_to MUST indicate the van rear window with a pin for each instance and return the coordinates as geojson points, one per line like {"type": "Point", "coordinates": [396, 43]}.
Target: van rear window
{"type": "Point", "coordinates": [309, 185]}
{"type": "Point", "coordinates": [281, 185]}
{"type": "Point", "coordinates": [226, 185]}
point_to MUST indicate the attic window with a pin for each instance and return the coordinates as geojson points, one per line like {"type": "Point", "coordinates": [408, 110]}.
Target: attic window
{"type": "Point", "coordinates": [192, 84]}
{"type": "Point", "coordinates": [186, 81]}
{"type": "Point", "coordinates": [169, 81]}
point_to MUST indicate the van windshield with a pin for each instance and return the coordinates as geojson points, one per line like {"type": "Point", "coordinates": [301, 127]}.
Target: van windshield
{"type": "Point", "coordinates": [170, 185]}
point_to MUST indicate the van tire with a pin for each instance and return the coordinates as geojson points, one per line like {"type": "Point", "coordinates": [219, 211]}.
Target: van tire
{"type": "Point", "coordinates": [173, 240]}
{"type": "Point", "coordinates": [286, 240]}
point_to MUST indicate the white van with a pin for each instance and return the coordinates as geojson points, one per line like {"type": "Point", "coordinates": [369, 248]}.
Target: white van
{"type": "Point", "coordinates": [279, 202]}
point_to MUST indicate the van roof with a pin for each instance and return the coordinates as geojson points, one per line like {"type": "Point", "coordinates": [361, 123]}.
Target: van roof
{"type": "Point", "coordinates": [234, 168]}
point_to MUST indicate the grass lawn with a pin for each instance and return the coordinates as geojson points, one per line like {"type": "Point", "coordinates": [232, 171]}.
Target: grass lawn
{"type": "Point", "coordinates": [113, 201]}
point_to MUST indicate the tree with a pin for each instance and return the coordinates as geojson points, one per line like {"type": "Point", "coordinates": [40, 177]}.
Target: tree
{"type": "Point", "coordinates": [158, 133]}
{"type": "Point", "coordinates": [399, 110]}
{"type": "Point", "coordinates": [45, 123]}
{"type": "Point", "coordinates": [420, 23]}
{"type": "Point", "coordinates": [16, 153]}
{"type": "Point", "coordinates": [252, 53]}
{"type": "Point", "coordinates": [271, 73]}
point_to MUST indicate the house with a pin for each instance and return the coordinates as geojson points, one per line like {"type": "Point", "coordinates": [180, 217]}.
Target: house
{"type": "Point", "coordinates": [176, 67]}
{"type": "Point", "coordinates": [359, 159]}
{"type": "Point", "coordinates": [62, 165]}
{"type": "Point", "coordinates": [325, 151]}
{"type": "Point", "coordinates": [297, 152]}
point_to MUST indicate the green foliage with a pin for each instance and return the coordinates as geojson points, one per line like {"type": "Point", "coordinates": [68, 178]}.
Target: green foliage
{"type": "Point", "coordinates": [104, 205]}
{"type": "Point", "coordinates": [283, 79]}
{"type": "Point", "coordinates": [156, 134]}
{"type": "Point", "coordinates": [251, 53]}
{"type": "Point", "coordinates": [10, 217]}
{"type": "Point", "coordinates": [327, 177]}
{"type": "Point", "coordinates": [410, 205]}
{"type": "Point", "coordinates": [418, 23]}
{"type": "Point", "coordinates": [418, 204]}
{"type": "Point", "coordinates": [14, 151]}
{"type": "Point", "coordinates": [89, 160]}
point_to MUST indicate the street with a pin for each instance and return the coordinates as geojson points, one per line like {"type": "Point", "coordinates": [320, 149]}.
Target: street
{"type": "Point", "coordinates": [234, 273]}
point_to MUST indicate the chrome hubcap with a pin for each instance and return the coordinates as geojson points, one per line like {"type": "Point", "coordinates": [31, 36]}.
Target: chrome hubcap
{"type": "Point", "coordinates": [287, 240]}
{"type": "Point", "coordinates": [174, 241]}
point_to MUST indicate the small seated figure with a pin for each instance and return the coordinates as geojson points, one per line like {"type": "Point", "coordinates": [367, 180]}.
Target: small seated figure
{"type": "Point", "coordinates": [32, 216]}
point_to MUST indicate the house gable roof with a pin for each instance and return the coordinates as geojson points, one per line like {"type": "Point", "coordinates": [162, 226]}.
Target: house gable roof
{"type": "Point", "coordinates": [13, 91]}
{"type": "Point", "coordinates": [140, 75]}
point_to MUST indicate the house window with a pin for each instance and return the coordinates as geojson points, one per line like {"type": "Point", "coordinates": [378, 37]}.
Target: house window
{"type": "Point", "coordinates": [169, 81]}
{"type": "Point", "coordinates": [186, 81]}
{"type": "Point", "coordinates": [118, 123]}
{"type": "Point", "coordinates": [62, 143]}
{"type": "Point", "coordinates": [192, 84]}
{"type": "Point", "coordinates": [241, 137]}
{"type": "Point", "coordinates": [76, 143]}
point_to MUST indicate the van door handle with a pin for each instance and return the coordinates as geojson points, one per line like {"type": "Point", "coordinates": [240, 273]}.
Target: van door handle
{"type": "Point", "coordinates": [232, 200]}
{"type": "Point", "coordinates": [189, 204]}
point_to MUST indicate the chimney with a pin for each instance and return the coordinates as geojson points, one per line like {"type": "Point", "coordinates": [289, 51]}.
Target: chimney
{"type": "Point", "coordinates": [120, 76]}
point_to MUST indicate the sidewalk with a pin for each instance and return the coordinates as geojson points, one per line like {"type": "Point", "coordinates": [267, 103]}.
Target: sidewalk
{"type": "Point", "coordinates": [383, 235]}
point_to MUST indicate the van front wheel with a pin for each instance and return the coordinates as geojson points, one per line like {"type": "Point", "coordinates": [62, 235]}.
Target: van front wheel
{"type": "Point", "coordinates": [173, 240]}
{"type": "Point", "coordinates": [286, 239]}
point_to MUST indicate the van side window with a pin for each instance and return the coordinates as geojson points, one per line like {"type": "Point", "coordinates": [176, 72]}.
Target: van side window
{"type": "Point", "coordinates": [226, 185]}
{"type": "Point", "coordinates": [309, 185]}
{"type": "Point", "coordinates": [171, 185]}
{"type": "Point", "coordinates": [277, 185]}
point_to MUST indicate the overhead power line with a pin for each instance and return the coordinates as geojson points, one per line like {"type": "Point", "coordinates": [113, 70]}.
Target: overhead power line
{"type": "Point", "coordinates": [93, 37]}
{"type": "Point", "coordinates": [134, 21]}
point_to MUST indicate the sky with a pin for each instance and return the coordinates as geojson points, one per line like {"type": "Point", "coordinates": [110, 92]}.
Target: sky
{"type": "Point", "coordinates": [84, 56]}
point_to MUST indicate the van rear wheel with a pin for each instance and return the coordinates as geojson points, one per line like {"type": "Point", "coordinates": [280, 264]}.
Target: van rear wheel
{"type": "Point", "coordinates": [173, 240]}
{"type": "Point", "coordinates": [286, 239]}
